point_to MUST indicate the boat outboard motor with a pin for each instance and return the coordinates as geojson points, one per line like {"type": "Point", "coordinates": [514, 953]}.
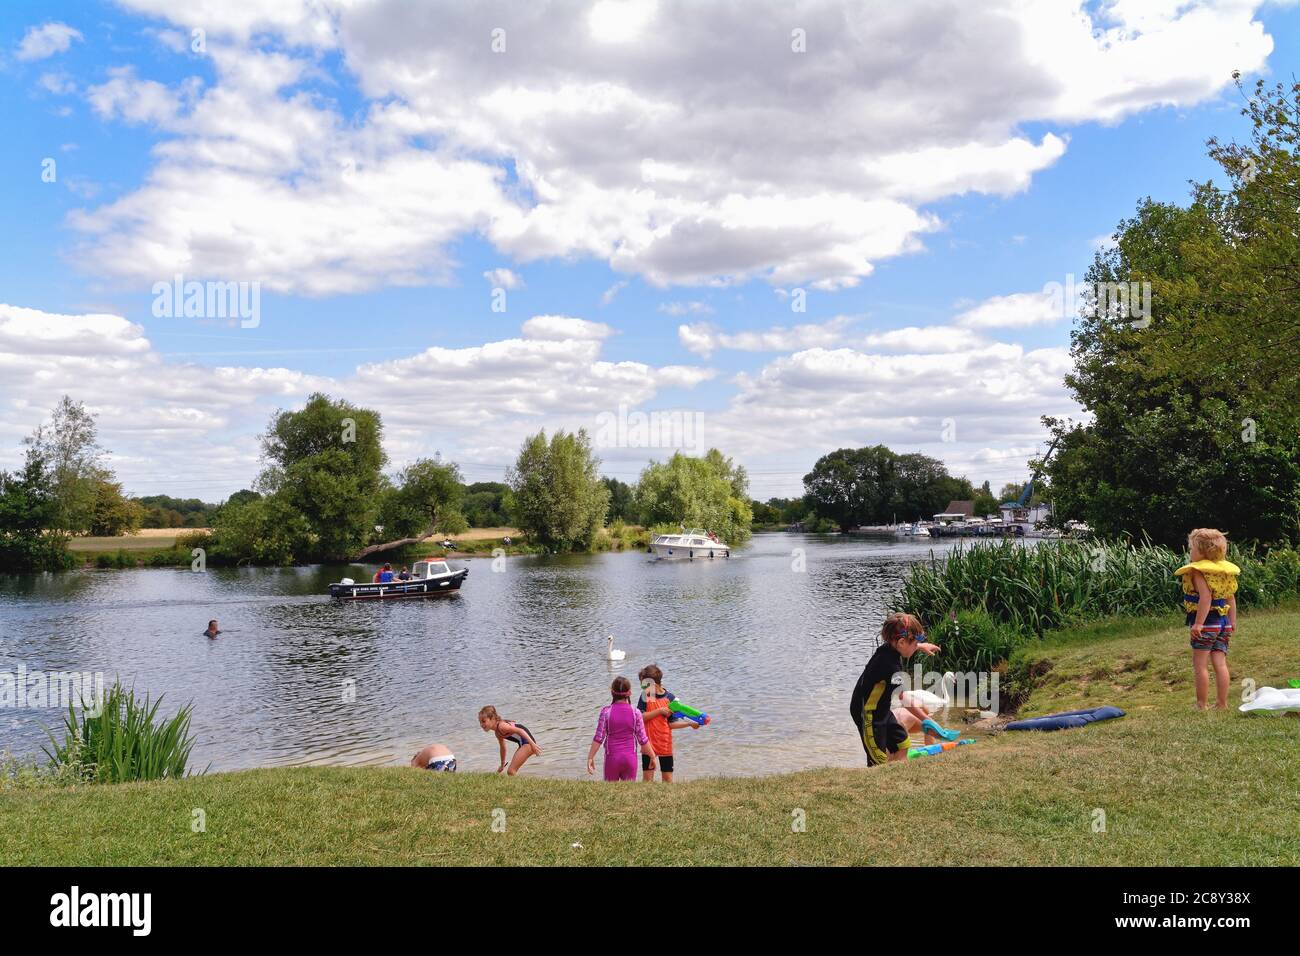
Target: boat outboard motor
{"type": "Point", "coordinates": [347, 581]}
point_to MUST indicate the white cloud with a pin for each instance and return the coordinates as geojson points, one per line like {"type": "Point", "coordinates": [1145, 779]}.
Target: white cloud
{"type": "Point", "coordinates": [564, 327]}
{"type": "Point", "coordinates": [609, 294]}
{"type": "Point", "coordinates": [46, 40]}
{"type": "Point", "coordinates": [1016, 311]}
{"type": "Point", "coordinates": [126, 97]}
{"type": "Point", "coordinates": [636, 138]}
{"type": "Point", "coordinates": [686, 308]}
{"type": "Point", "coordinates": [927, 339]}
{"type": "Point", "coordinates": [503, 278]}
{"type": "Point", "coordinates": [704, 339]}
{"type": "Point", "coordinates": [60, 84]}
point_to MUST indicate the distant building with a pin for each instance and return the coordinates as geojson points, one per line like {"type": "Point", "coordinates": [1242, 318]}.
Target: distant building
{"type": "Point", "coordinates": [964, 508]}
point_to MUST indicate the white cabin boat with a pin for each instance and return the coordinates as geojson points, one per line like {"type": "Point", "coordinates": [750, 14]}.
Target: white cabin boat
{"type": "Point", "coordinates": [689, 545]}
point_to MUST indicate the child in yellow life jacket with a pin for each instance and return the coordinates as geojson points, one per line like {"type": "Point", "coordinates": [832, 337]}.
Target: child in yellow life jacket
{"type": "Point", "coordinates": [1210, 602]}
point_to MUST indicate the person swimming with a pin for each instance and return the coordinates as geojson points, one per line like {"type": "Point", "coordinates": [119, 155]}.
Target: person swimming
{"type": "Point", "coordinates": [212, 630]}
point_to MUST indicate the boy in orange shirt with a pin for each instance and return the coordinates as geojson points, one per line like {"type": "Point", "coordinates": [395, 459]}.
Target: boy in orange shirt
{"type": "Point", "coordinates": [659, 723]}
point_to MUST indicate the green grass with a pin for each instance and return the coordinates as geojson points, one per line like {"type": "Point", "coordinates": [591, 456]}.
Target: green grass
{"type": "Point", "coordinates": [1177, 787]}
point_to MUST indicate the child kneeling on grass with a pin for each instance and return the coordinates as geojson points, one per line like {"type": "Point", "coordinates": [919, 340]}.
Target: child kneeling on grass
{"type": "Point", "coordinates": [884, 730]}
{"type": "Point", "coordinates": [1210, 602]}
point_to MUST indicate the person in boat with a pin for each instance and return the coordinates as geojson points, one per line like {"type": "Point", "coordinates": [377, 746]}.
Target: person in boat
{"type": "Point", "coordinates": [212, 630]}
{"type": "Point", "coordinates": [884, 729]}
{"type": "Point", "coordinates": [516, 733]}
{"type": "Point", "coordinates": [385, 574]}
{"type": "Point", "coordinates": [405, 575]}
{"type": "Point", "coordinates": [435, 757]}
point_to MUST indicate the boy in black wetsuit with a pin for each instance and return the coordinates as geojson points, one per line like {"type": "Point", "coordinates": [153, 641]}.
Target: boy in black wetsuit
{"type": "Point", "coordinates": [872, 705]}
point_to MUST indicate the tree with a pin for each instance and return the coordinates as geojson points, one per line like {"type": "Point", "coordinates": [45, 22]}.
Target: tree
{"type": "Point", "coordinates": [559, 500]}
{"type": "Point", "coordinates": [710, 492]}
{"type": "Point", "coordinates": [325, 463]}
{"type": "Point", "coordinates": [485, 504]}
{"type": "Point", "coordinates": [852, 487]}
{"type": "Point", "coordinates": [1194, 409]}
{"type": "Point", "coordinates": [425, 500]}
{"type": "Point", "coordinates": [69, 451]}
{"type": "Point", "coordinates": [27, 509]}
{"type": "Point", "coordinates": [114, 513]}
{"type": "Point", "coordinates": [621, 505]}
{"type": "Point", "coordinates": [261, 531]}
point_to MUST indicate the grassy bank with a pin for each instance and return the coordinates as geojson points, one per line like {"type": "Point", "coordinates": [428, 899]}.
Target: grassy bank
{"type": "Point", "coordinates": [1176, 786]}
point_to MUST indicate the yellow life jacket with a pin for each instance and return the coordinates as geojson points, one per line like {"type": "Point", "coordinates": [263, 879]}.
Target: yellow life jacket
{"type": "Point", "coordinates": [1221, 576]}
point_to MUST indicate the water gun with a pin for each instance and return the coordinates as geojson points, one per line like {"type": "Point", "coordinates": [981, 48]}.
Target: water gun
{"type": "Point", "coordinates": [1294, 683]}
{"type": "Point", "coordinates": [690, 713]}
{"type": "Point", "coordinates": [931, 749]}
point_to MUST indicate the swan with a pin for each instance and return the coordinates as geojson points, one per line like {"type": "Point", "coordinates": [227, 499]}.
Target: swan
{"type": "Point", "coordinates": [924, 698]}
{"type": "Point", "coordinates": [611, 654]}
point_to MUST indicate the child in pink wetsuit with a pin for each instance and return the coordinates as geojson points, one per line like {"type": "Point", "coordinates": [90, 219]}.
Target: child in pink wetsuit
{"type": "Point", "coordinates": [620, 729]}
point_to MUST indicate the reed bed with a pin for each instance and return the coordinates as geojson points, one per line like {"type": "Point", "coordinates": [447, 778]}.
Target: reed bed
{"type": "Point", "coordinates": [122, 740]}
{"type": "Point", "coordinates": [985, 599]}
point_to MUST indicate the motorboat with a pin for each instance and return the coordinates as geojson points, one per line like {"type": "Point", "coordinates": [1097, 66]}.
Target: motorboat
{"type": "Point", "coordinates": [913, 530]}
{"type": "Point", "coordinates": [688, 545]}
{"type": "Point", "coordinates": [429, 577]}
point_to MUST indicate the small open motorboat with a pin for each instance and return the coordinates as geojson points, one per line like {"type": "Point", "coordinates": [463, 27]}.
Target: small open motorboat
{"type": "Point", "coordinates": [695, 543]}
{"type": "Point", "coordinates": [429, 577]}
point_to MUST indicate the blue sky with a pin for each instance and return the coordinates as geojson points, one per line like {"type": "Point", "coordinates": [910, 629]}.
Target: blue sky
{"type": "Point", "coordinates": [637, 167]}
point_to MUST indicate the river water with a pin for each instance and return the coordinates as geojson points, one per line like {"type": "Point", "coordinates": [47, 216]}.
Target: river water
{"type": "Point", "coordinates": [769, 642]}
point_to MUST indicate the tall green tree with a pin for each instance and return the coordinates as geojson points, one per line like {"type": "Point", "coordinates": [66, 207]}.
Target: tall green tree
{"type": "Point", "coordinates": [425, 499]}
{"type": "Point", "coordinates": [114, 513]}
{"type": "Point", "coordinates": [325, 462]}
{"type": "Point", "coordinates": [711, 492]}
{"type": "Point", "coordinates": [621, 501]}
{"type": "Point", "coordinates": [69, 450]}
{"type": "Point", "coordinates": [28, 509]}
{"type": "Point", "coordinates": [851, 487]}
{"type": "Point", "coordinates": [559, 500]}
{"type": "Point", "coordinates": [1194, 409]}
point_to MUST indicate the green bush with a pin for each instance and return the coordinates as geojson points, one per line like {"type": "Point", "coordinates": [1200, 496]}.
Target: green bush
{"type": "Point", "coordinates": [122, 740]}
{"type": "Point", "coordinates": [972, 640]}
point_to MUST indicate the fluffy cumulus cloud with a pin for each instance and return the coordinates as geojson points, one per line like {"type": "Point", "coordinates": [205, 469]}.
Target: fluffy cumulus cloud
{"type": "Point", "coordinates": [684, 142]}
{"type": "Point", "coordinates": [1016, 311]}
{"type": "Point", "coordinates": [46, 40]}
{"type": "Point", "coordinates": [704, 339]}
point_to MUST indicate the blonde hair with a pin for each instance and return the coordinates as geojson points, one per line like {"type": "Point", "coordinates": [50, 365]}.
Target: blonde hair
{"type": "Point", "coordinates": [489, 712]}
{"type": "Point", "coordinates": [1210, 543]}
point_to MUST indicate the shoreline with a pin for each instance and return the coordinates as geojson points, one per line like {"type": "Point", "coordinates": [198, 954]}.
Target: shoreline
{"type": "Point", "coordinates": [1013, 799]}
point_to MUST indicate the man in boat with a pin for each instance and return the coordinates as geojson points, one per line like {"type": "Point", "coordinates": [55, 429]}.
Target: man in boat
{"type": "Point", "coordinates": [384, 575]}
{"type": "Point", "coordinates": [405, 575]}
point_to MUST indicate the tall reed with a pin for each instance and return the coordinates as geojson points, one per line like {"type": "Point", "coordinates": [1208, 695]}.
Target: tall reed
{"type": "Point", "coordinates": [123, 739]}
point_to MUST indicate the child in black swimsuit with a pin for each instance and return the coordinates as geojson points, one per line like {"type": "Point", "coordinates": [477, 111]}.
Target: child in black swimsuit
{"type": "Point", "coordinates": [516, 733]}
{"type": "Point", "coordinates": [872, 704]}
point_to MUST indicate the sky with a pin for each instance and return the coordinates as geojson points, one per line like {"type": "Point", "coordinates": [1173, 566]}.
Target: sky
{"type": "Point", "coordinates": [776, 228]}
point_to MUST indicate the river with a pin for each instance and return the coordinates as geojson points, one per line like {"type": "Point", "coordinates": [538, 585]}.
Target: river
{"type": "Point", "coordinates": [769, 642]}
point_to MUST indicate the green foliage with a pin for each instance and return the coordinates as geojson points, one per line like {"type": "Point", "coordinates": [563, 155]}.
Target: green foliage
{"type": "Point", "coordinates": [162, 511]}
{"type": "Point", "coordinates": [427, 497]}
{"type": "Point", "coordinates": [263, 531]}
{"type": "Point", "coordinates": [68, 448]}
{"type": "Point", "coordinates": [125, 740]}
{"type": "Point", "coordinates": [851, 487]}
{"type": "Point", "coordinates": [709, 492]}
{"type": "Point", "coordinates": [325, 465]}
{"type": "Point", "coordinates": [559, 500]}
{"type": "Point", "coordinates": [1024, 592]}
{"type": "Point", "coordinates": [972, 640]}
{"type": "Point", "coordinates": [1194, 414]}
{"type": "Point", "coordinates": [27, 511]}
{"type": "Point", "coordinates": [622, 505]}
{"type": "Point", "coordinates": [486, 504]}
{"type": "Point", "coordinates": [114, 513]}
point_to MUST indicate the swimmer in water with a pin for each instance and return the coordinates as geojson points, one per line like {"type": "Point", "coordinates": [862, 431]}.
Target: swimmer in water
{"type": "Point", "coordinates": [212, 630]}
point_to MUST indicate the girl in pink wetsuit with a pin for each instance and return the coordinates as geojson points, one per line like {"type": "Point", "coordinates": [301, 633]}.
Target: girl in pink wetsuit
{"type": "Point", "coordinates": [620, 729]}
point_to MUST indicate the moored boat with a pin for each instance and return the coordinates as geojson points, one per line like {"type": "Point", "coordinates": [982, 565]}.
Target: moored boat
{"type": "Point", "coordinates": [689, 545]}
{"type": "Point", "coordinates": [429, 577]}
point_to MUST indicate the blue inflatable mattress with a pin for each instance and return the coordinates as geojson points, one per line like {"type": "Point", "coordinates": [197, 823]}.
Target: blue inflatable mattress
{"type": "Point", "coordinates": [1067, 720]}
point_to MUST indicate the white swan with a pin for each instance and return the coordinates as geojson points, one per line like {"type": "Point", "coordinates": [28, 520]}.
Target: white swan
{"type": "Point", "coordinates": [924, 698]}
{"type": "Point", "coordinates": [610, 653]}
